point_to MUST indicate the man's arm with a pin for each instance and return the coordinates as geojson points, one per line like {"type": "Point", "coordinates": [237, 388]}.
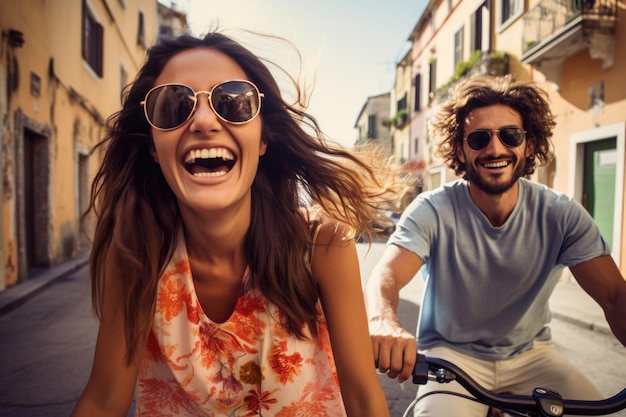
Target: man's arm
{"type": "Point", "coordinates": [602, 280]}
{"type": "Point", "coordinates": [394, 347]}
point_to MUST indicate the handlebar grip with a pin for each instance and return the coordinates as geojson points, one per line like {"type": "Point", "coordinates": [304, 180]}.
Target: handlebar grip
{"type": "Point", "coordinates": [420, 371]}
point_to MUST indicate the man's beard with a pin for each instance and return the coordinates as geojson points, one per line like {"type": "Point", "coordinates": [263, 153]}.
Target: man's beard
{"type": "Point", "coordinates": [495, 188]}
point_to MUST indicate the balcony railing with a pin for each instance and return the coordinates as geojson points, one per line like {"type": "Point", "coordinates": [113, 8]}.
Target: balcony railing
{"type": "Point", "coordinates": [551, 17]}
{"type": "Point", "coordinates": [480, 63]}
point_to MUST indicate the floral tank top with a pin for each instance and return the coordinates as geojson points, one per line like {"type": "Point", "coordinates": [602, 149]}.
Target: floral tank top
{"type": "Point", "coordinates": [247, 366]}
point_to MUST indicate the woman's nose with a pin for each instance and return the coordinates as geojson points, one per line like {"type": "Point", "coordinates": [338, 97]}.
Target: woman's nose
{"type": "Point", "coordinates": [204, 117]}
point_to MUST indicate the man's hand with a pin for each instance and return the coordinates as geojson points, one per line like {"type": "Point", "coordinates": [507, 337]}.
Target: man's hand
{"type": "Point", "coordinates": [394, 348]}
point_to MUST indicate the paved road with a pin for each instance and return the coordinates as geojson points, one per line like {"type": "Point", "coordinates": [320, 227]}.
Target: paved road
{"type": "Point", "coordinates": [46, 346]}
{"type": "Point", "coordinates": [46, 350]}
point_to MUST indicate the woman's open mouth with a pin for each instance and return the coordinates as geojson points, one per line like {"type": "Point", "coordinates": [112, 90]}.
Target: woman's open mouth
{"type": "Point", "coordinates": [212, 162]}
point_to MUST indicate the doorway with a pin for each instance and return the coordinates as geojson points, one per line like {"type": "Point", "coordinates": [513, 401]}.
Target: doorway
{"type": "Point", "coordinates": [33, 202]}
{"type": "Point", "coordinates": [85, 225]}
{"type": "Point", "coordinates": [599, 183]}
{"type": "Point", "coordinates": [596, 179]}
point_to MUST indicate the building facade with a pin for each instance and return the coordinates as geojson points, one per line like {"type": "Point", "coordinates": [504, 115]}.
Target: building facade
{"type": "Point", "coordinates": [578, 51]}
{"type": "Point", "coordinates": [63, 66]}
{"type": "Point", "coordinates": [400, 102]}
{"type": "Point", "coordinates": [574, 50]}
{"type": "Point", "coordinates": [372, 124]}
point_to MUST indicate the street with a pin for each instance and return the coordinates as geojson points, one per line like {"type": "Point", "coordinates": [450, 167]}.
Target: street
{"type": "Point", "coordinates": [47, 346]}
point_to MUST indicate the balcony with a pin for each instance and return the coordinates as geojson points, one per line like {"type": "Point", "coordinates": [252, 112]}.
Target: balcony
{"type": "Point", "coordinates": [557, 29]}
{"type": "Point", "coordinates": [479, 63]}
{"type": "Point", "coordinates": [399, 120]}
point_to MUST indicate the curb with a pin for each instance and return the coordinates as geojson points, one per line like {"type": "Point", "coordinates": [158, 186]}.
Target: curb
{"type": "Point", "coordinates": [19, 293]}
{"type": "Point", "coordinates": [585, 324]}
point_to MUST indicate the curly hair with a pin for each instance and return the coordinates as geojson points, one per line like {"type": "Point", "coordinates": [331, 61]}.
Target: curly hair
{"type": "Point", "coordinates": [137, 213]}
{"type": "Point", "coordinates": [527, 99]}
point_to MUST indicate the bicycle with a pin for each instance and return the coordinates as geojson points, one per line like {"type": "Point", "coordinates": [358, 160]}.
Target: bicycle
{"type": "Point", "coordinates": [542, 403]}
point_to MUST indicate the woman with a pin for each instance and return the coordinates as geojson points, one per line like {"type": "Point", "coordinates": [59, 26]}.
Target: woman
{"type": "Point", "coordinates": [218, 293]}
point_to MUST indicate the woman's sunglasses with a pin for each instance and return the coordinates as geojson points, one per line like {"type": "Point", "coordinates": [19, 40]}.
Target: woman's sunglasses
{"type": "Point", "coordinates": [169, 106]}
{"type": "Point", "coordinates": [510, 136]}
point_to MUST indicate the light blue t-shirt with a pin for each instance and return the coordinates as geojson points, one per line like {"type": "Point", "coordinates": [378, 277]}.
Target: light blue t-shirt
{"type": "Point", "coordinates": [487, 288]}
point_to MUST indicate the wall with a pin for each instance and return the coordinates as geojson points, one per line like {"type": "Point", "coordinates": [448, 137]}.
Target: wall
{"type": "Point", "coordinates": [54, 113]}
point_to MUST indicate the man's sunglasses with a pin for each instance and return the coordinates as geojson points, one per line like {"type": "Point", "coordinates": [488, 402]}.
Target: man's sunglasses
{"type": "Point", "coordinates": [169, 106]}
{"type": "Point", "coordinates": [510, 136]}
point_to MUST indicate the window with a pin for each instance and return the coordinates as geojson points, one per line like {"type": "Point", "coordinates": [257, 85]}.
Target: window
{"type": "Point", "coordinates": [418, 91]}
{"type": "Point", "coordinates": [477, 30]}
{"type": "Point", "coordinates": [35, 85]}
{"type": "Point", "coordinates": [458, 47]}
{"type": "Point", "coordinates": [123, 77]}
{"type": "Point", "coordinates": [165, 31]}
{"type": "Point", "coordinates": [141, 31]}
{"type": "Point", "coordinates": [432, 76]}
{"type": "Point", "coordinates": [401, 104]}
{"type": "Point", "coordinates": [92, 43]}
{"type": "Point", "coordinates": [511, 9]}
{"type": "Point", "coordinates": [480, 29]}
{"type": "Point", "coordinates": [371, 126]}
{"type": "Point", "coordinates": [402, 111]}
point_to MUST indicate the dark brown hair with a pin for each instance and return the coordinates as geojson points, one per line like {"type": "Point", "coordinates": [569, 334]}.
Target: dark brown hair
{"type": "Point", "coordinates": [527, 99]}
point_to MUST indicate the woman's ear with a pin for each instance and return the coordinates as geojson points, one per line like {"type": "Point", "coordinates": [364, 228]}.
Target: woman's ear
{"type": "Point", "coordinates": [153, 153]}
{"type": "Point", "coordinates": [262, 148]}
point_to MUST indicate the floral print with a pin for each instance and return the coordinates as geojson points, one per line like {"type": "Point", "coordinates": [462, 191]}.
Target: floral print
{"type": "Point", "coordinates": [247, 366]}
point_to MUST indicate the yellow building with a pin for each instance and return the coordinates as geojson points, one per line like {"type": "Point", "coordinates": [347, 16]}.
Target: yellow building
{"type": "Point", "coordinates": [63, 65]}
{"type": "Point", "coordinates": [400, 106]}
{"type": "Point", "coordinates": [575, 50]}
{"type": "Point", "coordinates": [579, 49]}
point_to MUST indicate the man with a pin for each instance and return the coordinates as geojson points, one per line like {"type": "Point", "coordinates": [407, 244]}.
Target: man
{"type": "Point", "coordinates": [492, 247]}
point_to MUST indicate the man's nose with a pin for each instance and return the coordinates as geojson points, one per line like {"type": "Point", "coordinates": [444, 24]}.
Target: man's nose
{"type": "Point", "coordinates": [495, 140]}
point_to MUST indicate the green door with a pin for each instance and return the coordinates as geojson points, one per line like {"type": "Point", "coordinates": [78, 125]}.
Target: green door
{"type": "Point", "coordinates": [599, 184]}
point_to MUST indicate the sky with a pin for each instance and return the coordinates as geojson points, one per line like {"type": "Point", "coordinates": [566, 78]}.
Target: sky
{"type": "Point", "coordinates": [349, 48]}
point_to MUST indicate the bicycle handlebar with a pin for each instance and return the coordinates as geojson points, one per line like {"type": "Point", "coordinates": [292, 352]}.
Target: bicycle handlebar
{"type": "Point", "coordinates": [547, 401]}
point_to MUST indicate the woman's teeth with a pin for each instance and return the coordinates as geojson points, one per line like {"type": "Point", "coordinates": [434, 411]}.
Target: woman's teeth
{"type": "Point", "coordinates": [211, 153]}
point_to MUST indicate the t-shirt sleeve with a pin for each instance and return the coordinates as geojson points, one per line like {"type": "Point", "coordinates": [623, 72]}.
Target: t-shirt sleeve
{"type": "Point", "coordinates": [416, 228]}
{"type": "Point", "coordinates": [582, 239]}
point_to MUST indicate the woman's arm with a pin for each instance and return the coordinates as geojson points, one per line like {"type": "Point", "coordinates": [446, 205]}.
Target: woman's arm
{"type": "Point", "coordinates": [110, 388]}
{"type": "Point", "coordinates": [336, 270]}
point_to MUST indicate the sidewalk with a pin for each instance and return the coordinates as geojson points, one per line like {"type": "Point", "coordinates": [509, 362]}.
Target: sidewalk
{"type": "Point", "coordinates": [569, 302]}
{"type": "Point", "coordinates": [15, 295]}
